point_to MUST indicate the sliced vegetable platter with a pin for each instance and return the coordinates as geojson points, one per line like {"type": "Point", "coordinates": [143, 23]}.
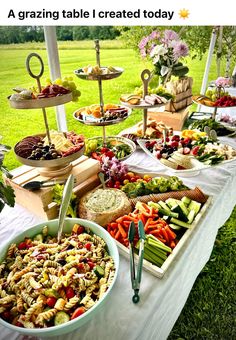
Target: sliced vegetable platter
{"type": "Point", "coordinates": [194, 165]}
{"type": "Point", "coordinates": [174, 227]}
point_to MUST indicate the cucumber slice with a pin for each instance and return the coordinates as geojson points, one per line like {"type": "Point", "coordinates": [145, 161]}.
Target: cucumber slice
{"type": "Point", "coordinates": [164, 206]}
{"type": "Point", "coordinates": [191, 216]}
{"type": "Point", "coordinates": [61, 317]}
{"type": "Point", "coordinates": [196, 206]}
{"type": "Point", "coordinates": [171, 202]}
{"type": "Point", "coordinates": [184, 209]}
{"type": "Point", "coordinates": [186, 200]}
{"type": "Point", "coordinates": [99, 271]}
{"type": "Point", "coordinates": [177, 209]}
{"type": "Point", "coordinates": [180, 223]}
{"type": "Point", "coordinates": [175, 226]}
{"type": "Point", "coordinates": [38, 237]}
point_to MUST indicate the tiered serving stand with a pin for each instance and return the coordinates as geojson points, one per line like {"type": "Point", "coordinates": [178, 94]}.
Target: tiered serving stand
{"type": "Point", "coordinates": [146, 76]}
{"type": "Point", "coordinates": [51, 167]}
{"type": "Point", "coordinates": [99, 78]}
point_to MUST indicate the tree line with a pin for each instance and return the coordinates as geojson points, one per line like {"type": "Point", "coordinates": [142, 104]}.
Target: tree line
{"type": "Point", "coordinates": [21, 34]}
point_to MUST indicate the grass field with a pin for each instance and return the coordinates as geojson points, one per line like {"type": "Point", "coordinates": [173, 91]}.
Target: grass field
{"type": "Point", "coordinates": [210, 309]}
{"type": "Point", "coordinates": [16, 124]}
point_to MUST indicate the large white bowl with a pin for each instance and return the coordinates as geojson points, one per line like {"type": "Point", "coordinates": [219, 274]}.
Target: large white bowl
{"type": "Point", "coordinates": [76, 323]}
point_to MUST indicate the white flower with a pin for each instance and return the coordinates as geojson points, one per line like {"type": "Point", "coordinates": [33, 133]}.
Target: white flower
{"type": "Point", "coordinates": [158, 50]}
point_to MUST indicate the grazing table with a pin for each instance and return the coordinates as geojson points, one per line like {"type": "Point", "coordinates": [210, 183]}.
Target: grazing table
{"type": "Point", "coordinates": [161, 300]}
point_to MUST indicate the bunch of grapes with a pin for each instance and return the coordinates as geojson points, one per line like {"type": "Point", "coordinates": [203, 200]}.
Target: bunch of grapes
{"type": "Point", "coordinates": [69, 84]}
{"type": "Point", "coordinates": [213, 93]}
{"type": "Point", "coordinates": [160, 90]}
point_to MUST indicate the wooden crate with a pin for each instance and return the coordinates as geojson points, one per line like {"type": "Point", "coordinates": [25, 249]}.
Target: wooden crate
{"type": "Point", "coordinates": [174, 119]}
{"type": "Point", "coordinates": [40, 202]}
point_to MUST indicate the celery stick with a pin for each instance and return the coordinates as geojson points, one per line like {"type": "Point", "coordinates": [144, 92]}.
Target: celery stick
{"type": "Point", "coordinates": [159, 245]}
{"type": "Point", "coordinates": [156, 252]}
{"type": "Point", "coordinates": [148, 258]}
{"type": "Point", "coordinates": [154, 258]}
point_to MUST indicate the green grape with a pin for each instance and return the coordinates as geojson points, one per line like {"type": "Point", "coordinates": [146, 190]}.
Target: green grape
{"type": "Point", "coordinates": [70, 78]}
{"type": "Point", "coordinates": [58, 81]}
{"type": "Point", "coordinates": [71, 85]}
{"type": "Point", "coordinates": [65, 83]}
{"type": "Point", "coordinates": [48, 81]}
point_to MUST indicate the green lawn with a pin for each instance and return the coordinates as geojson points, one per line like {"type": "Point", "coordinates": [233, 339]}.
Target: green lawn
{"type": "Point", "coordinates": [16, 124]}
{"type": "Point", "coordinates": [209, 311]}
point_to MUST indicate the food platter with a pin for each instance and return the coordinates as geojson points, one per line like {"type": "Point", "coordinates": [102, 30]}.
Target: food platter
{"type": "Point", "coordinates": [50, 167]}
{"type": "Point", "coordinates": [143, 106]}
{"type": "Point", "coordinates": [199, 102]}
{"type": "Point", "coordinates": [196, 166]}
{"type": "Point", "coordinates": [123, 140]}
{"type": "Point", "coordinates": [183, 242]}
{"type": "Point", "coordinates": [91, 120]}
{"type": "Point", "coordinates": [40, 103]}
{"type": "Point", "coordinates": [82, 75]}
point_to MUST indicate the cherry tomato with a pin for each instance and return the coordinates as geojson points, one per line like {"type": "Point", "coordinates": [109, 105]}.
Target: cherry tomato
{"type": "Point", "coordinates": [79, 311]}
{"type": "Point", "coordinates": [110, 184]}
{"type": "Point", "coordinates": [195, 150]}
{"type": "Point", "coordinates": [132, 179]}
{"type": "Point", "coordinates": [22, 246]}
{"type": "Point", "coordinates": [117, 186]}
{"type": "Point", "coordinates": [91, 264]}
{"type": "Point", "coordinates": [87, 246]}
{"type": "Point", "coordinates": [51, 301]}
{"type": "Point", "coordinates": [110, 154]}
{"type": "Point", "coordinates": [70, 292]}
{"type": "Point", "coordinates": [146, 177]}
{"type": "Point", "coordinates": [117, 182]}
{"type": "Point", "coordinates": [130, 174]}
{"type": "Point", "coordinates": [104, 150]}
{"type": "Point", "coordinates": [137, 177]}
{"type": "Point", "coordinates": [18, 324]}
{"type": "Point", "coordinates": [80, 266]}
{"type": "Point", "coordinates": [80, 230]}
{"type": "Point", "coordinates": [96, 156]}
{"type": "Point", "coordinates": [126, 181]}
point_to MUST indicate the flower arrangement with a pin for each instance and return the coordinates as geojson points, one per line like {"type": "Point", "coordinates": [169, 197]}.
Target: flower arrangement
{"type": "Point", "coordinates": [165, 50]}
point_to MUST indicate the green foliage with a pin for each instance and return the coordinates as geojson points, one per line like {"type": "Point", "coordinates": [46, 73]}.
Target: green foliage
{"type": "Point", "coordinates": [20, 34]}
{"type": "Point", "coordinates": [57, 194]}
{"type": "Point", "coordinates": [197, 37]}
{"type": "Point", "coordinates": [6, 192]}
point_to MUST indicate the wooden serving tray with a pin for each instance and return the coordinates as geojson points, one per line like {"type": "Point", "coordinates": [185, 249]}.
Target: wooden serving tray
{"type": "Point", "coordinates": [195, 194]}
{"type": "Point", "coordinates": [40, 202]}
{"type": "Point", "coordinates": [41, 103]}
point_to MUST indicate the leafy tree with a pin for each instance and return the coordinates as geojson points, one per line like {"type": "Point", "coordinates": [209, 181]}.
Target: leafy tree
{"type": "Point", "coordinates": [65, 33]}
{"type": "Point", "coordinates": [197, 38]}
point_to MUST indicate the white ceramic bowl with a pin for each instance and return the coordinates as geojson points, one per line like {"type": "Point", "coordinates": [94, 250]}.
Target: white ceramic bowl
{"type": "Point", "coordinates": [53, 226]}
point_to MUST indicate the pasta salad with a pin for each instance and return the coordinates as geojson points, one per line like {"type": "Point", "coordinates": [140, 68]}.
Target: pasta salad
{"type": "Point", "coordinates": [43, 283]}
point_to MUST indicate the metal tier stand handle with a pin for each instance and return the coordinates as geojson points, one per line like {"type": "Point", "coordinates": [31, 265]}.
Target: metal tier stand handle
{"type": "Point", "coordinates": [97, 48]}
{"type": "Point", "coordinates": [37, 77]}
{"type": "Point", "coordinates": [146, 76]}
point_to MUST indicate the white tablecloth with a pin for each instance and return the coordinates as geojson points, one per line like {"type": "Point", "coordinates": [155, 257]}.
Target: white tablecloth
{"type": "Point", "coordinates": [161, 300]}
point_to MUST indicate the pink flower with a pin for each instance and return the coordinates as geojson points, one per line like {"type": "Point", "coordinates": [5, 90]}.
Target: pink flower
{"type": "Point", "coordinates": [180, 49]}
{"type": "Point", "coordinates": [170, 35]}
{"type": "Point", "coordinates": [221, 81]}
{"type": "Point", "coordinates": [143, 42]}
{"type": "Point", "coordinates": [154, 35]}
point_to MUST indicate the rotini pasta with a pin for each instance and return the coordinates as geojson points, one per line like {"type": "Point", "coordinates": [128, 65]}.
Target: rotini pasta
{"type": "Point", "coordinates": [46, 278]}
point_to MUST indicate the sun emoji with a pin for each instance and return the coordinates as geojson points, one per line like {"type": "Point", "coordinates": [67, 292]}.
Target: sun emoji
{"type": "Point", "coordinates": [184, 13]}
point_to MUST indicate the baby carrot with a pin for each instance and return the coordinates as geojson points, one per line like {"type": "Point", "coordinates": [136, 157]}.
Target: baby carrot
{"type": "Point", "coordinates": [122, 231]}
{"type": "Point", "coordinates": [117, 235]}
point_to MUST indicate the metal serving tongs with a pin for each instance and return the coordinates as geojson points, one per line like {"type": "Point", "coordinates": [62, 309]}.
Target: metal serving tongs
{"type": "Point", "coordinates": [136, 280]}
{"type": "Point", "coordinates": [64, 205]}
